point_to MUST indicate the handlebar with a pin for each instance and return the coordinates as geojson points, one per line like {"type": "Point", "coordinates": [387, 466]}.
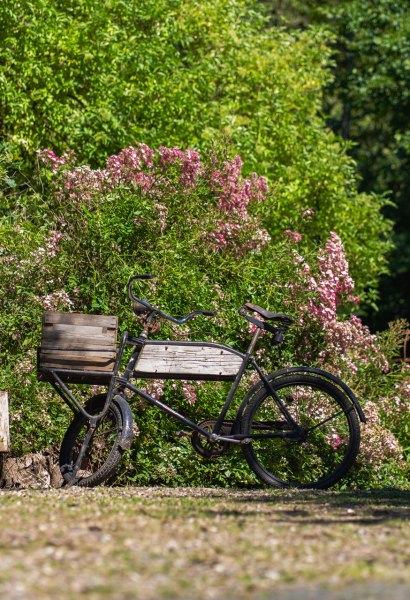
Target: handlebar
{"type": "Point", "coordinates": [145, 306]}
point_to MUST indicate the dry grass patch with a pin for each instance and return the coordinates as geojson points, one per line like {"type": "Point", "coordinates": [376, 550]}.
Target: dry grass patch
{"type": "Point", "coordinates": [153, 543]}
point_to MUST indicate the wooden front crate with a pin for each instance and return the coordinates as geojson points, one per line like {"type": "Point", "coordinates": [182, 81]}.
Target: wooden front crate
{"type": "Point", "coordinates": [78, 342]}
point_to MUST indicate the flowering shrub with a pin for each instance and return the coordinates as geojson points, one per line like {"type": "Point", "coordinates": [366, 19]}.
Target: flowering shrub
{"type": "Point", "coordinates": [172, 170]}
{"type": "Point", "coordinates": [234, 195]}
{"type": "Point", "coordinates": [195, 222]}
{"type": "Point", "coordinates": [341, 343]}
{"type": "Point", "coordinates": [330, 287]}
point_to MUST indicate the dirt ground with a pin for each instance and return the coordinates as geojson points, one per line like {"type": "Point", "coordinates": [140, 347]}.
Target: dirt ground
{"type": "Point", "coordinates": [161, 543]}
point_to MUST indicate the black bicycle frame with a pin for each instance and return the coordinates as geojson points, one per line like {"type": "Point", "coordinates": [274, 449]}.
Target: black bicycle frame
{"type": "Point", "coordinates": [119, 383]}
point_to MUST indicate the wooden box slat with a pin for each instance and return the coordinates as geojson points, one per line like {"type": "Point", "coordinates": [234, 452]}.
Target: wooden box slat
{"type": "Point", "coordinates": [81, 319]}
{"type": "Point", "coordinates": [79, 342]}
{"type": "Point", "coordinates": [72, 340]}
{"type": "Point", "coordinates": [80, 361]}
{"type": "Point", "coordinates": [196, 361]}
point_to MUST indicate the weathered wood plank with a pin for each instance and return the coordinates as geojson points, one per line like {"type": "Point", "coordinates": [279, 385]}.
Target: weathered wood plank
{"type": "Point", "coordinates": [53, 328]}
{"type": "Point", "coordinates": [81, 319]}
{"type": "Point", "coordinates": [189, 360]}
{"type": "Point", "coordinates": [70, 339]}
{"type": "Point", "coordinates": [79, 361]}
{"type": "Point", "coordinates": [4, 422]}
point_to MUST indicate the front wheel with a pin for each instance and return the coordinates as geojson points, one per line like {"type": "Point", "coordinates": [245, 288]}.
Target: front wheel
{"type": "Point", "coordinates": [103, 453]}
{"type": "Point", "coordinates": [317, 458]}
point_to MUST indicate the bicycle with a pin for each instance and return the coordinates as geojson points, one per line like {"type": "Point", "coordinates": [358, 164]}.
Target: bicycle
{"type": "Point", "coordinates": [299, 426]}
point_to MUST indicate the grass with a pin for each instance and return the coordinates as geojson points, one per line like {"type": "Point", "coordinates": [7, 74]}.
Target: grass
{"type": "Point", "coordinates": [161, 543]}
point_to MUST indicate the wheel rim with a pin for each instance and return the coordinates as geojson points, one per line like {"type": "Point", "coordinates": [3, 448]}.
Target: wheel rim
{"type": "Point", "coordinates": [322, 456]}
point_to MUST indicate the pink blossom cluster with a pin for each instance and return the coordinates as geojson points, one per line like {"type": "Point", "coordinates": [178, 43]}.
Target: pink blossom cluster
{"type": "Point", "coordinates": [334, 439]}
{"type": "Point", "coordinates": [155, 388]}
{"type": "Point", "coordinates": [378, 443]}
{"type": "Point", "coordinates": [56, 301]}
{"type": "Point", "coordinates": [188, 390]}
{"type": "Point", "coordinates": [399, 402]}
{"type": "Point", "coordinates": [83, 183]}
{"type": "Point", "coordinates": [349, 339]}
{"type": "Point", "coordinates": [51, 160]}
{"type": "Point", "coordinates": [134, 165]}
{"type": "Point", "coordinates": [137, 165]}
{"type": "Point", "coordinates": [237, 230]}
{"type": "Point", "coordinates": [52, 242]}
{"type": "Point", "coordinates": [293, 236]}
{"type": "Point", "coordinates": [127, 165]}
{"type": "Point", "coordinates": [234, 193]}
{"type": "Point", "coordinates": [308, 213]}
{"type": "Point", "coordinates": [188, 161]}
{"type": "Point", "coordinates": [334, 280]}
{"type": "Point", "coordinates": [354, 341]}
{"type": "Point", "coordinates": [162, 216]}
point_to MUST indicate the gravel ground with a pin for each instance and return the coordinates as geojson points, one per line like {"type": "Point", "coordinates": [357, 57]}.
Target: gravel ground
{"type": "Point", "coordinates": [161, 543]}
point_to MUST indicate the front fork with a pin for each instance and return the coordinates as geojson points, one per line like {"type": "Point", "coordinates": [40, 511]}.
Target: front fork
{"type": "Point", "coordinates": [72, 471]}
{"type": "Point", "coordinates": [115, 393]}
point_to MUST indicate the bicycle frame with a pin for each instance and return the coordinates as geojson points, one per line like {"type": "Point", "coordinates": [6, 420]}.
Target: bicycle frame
{"type": "Point", "coordinates": [119, 383]}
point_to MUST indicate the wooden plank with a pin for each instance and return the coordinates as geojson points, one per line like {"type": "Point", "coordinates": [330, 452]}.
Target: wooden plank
{"type": "Point", "coordinates": [188, 360]}
{"type": "Point", "coordinates": [89, 377]}
{"type": "Point", "coordinates": [81, 360]}
{"type": "Point", "coordinates": [53, 328]}
{"type": "Point", "coordinates": [86, 354]}
{"type": "Point", "coordinates": [71, 340]}
{"type": "Point", "coordinates": [80, 319]}
{"type": "Point", "coordinates": [4, 422]}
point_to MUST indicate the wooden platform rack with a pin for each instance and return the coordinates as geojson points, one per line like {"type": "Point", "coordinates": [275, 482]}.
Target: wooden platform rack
{"type": "Point", "coordinates": [80, 347]}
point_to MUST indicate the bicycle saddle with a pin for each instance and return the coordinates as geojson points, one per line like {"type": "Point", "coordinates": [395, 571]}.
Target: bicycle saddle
{"type": "Point", "coordinates": [268, 316]}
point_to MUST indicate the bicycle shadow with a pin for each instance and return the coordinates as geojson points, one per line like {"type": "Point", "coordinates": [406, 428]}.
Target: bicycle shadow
{"type": "Point", "coordinates": [364, 507]}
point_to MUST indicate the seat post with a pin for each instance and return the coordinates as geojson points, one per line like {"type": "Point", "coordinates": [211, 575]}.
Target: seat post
{"type": "Point", "coordinates": [254, 340]}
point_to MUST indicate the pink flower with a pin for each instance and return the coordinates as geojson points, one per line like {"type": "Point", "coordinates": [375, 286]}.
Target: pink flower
{"type": "Point", "coordinates": [293, 236]}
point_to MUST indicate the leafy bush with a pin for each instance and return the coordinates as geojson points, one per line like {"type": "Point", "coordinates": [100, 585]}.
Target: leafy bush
{"type": "Point", "coordinates": [98, 76]}
{"type": "Point", "coordinates": [77, 234]}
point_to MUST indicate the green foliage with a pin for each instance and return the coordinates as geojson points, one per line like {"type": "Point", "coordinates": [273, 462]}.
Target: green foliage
{"type": "Point", "coordinates": [99, 76]}
{"type": "Point", "coordinates": [96, 77]}
{"type": "Point", "coordinates": [368, 103]}
{"type": "Point", "coordinates": [69, 253]}
{"type": "Point", "coordinates": [76, 235]}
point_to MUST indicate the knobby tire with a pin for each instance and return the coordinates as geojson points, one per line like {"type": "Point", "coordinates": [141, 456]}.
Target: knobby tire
{"type": "Point", "coordinates": [103, 454]}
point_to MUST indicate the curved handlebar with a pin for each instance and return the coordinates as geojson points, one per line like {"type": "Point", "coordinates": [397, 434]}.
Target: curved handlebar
{"type": "Point", "coordinates": [153, 309]}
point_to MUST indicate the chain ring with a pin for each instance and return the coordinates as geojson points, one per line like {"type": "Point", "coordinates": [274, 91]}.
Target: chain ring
{"type": "Point", "coordinates": [203, 446]}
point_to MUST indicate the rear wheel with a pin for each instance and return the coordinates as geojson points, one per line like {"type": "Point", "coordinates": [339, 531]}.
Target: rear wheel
{"type": "Point", "coordinates": [103, 453]}
{"type": "Point", "coordinates": [322, 454]}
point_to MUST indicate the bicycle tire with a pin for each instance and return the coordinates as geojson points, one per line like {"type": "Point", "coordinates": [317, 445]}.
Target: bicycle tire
{"type": "Point", "coordinates": [328, 451]}
{"type": "Point", "coordinates": [101, 459]}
